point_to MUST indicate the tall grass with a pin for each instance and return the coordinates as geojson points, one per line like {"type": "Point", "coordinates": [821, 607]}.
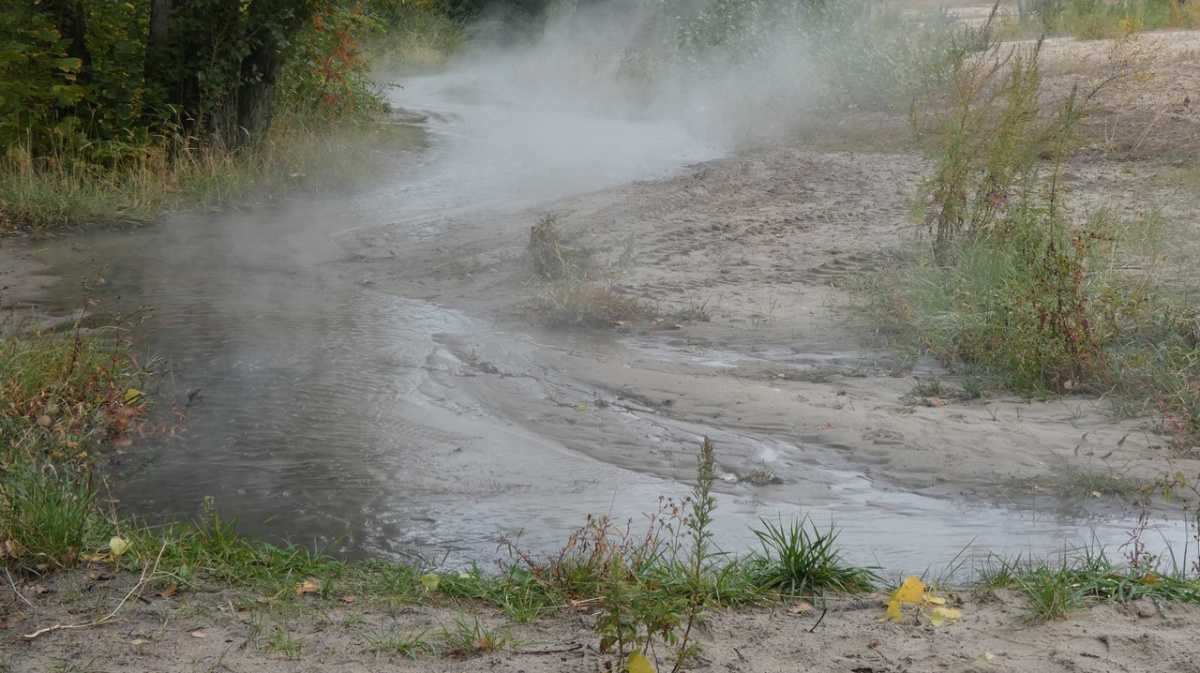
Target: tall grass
{"type": "Point", "coordinates": [1097, 19]}
{"type": "Point", "coordinates": [65, 188]}
{"type": "Point", "coordinates": [1016, 288]}
{"type": "Point", "coordinates": [64, 401]}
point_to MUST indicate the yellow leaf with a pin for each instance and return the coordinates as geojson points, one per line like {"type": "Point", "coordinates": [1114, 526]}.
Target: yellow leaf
{"type": "Point", "coordinates": [117, 546]}
{"type": "Point", "coordinates": [944, 615]}
{"type": "Point", "coordinates": [934, 600]}
{"type": "Point", "coordinates": [430, 581]}
{"type": "Point", "coordinates": [636, 663]}
{"type": "Point", "coordinates": [132, 395]}
{"type": "Point", "coordinates": [987, 656]}
{"type": "Point", "coordinates": [893, 612]}
{"type": "Point", "coordinates": [911, 591]}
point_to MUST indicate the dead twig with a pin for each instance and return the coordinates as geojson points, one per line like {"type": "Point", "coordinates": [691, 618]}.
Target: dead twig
{"type": "Point", "coordinates": [13, 584]}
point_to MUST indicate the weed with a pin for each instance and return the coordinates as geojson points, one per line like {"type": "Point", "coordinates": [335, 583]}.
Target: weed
{"type": "Point", "coordinates": [475, 637]}
{"type": "Point", "coordinates": [283, 641]}
{"type": "Point", "coordinates": [411, 645]}
{"type": "Point", "coordinates": [760, 476]}
{"type": "Point", "coordinates": [552, 259]}
{"type": "Point", "coordinates": [46, 517]}
{"type": "Point", "coordinates": [586, 304]}
{"type": "Point", "coordinates": [800, 560]}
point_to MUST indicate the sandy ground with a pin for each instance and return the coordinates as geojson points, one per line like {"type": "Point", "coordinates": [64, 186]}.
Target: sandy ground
{"type": "Point", "coordinates": [228, 631]}
{"type": "Point", "coordinates": [759, 243]}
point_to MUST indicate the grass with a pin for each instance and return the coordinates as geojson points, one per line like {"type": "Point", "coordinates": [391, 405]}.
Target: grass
{"type": "Point", "coordinates": [1096, 19]}
{"type": "Point", "coordinates": [564, 294]}
{"type": "Point", "coordinates": [798, 559]}
{"type": "Point", "coordinates": [1056, 586]}
{"type": "Point", "coordinates": [59, 190]}
{"type": "Point", "coordinates": [410, 645]}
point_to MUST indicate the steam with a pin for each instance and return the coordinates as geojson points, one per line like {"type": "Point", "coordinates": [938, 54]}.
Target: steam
{"type": "Point", "coordinates": [597, 99]}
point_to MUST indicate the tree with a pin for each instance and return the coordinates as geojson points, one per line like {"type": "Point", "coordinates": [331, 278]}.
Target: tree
{"type": "Point", "coordinates": [214, 63]}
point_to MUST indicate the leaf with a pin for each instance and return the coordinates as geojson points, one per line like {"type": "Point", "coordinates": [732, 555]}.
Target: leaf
{"type": "Point", "coordinates": [346, 599]}
{"type": "Point", "coordinates": [987, 656]}
{"type": "Point", "coordinates": [636, 663]}
{"type": "Point", "coordinates": [132, 395]}
{"type": "Point", "coordinates": [911, 591]}
{"type": "Point", "coordinates": [118, 546]}
{"type": "Point", "coordinates": [893, 612]}
{"type": "Point", "coordinates": [307, 587]}
{"type": "Point", "coordinates": [934, 600]}
{"type": "Point", "coordinates": [199, 634]}
{"type": "Point", "coordinates": [944, 616]}
{"type": "Point", "coordinates": [167, 591]}
{"type": "Point", "coordinates": [801, 607]}
{"type": "Point", "coordinates": [430, 581]}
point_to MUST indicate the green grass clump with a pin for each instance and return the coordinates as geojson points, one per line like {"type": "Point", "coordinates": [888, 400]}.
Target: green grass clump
{"type": "Point", "coordinates": [1054, 587]}
{"type": "Point", "coordinates": [798, 559]}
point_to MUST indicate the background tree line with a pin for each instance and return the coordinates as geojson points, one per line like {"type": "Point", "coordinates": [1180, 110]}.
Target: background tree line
{"type": "Point", "coordinates": [101, 78]}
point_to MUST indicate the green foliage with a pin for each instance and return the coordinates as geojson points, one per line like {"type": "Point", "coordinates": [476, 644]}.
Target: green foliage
{"type": "Point", "coordinates": [37, 78]}
{"type": "Point", "coordinates": [801, 560]}
{"type": "Point", "coordinates": [92, 106]}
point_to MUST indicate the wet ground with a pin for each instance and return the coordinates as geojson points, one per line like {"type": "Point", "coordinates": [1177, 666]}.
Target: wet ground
{"type": "Point", "coordinates": [331, 402]}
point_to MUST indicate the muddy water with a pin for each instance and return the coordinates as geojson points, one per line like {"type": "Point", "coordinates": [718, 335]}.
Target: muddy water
{"type": "Point", "coordinates": [325, 412]}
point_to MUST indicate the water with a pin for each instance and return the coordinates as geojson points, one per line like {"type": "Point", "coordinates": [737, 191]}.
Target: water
{"type": "Point", "coordinates": [325, 412]}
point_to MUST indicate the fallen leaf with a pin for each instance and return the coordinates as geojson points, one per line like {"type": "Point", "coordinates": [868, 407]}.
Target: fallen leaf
{"type": "Point", "coordinates": [138, 641]}
{"type": "Point", "coordinates": [934, 600]}
{"type": "Point", "coordinates": [893, 612]}
{"type": "Point", "coordinates": [167, 591]}
{"type": "Point", "coordinates": [430, 581]}
{"type": "Point", "coordinates": [122, 442]}
{"type": "Point", "coordinates": [911, 591]}
{"type": "Point", "coordinates": [937, 401]}
{"type": "Point", "coordinates": [39, 589]}
{"type": "Point", "coordinates": [801, 607]}
{"type": "Point", "coordinates": [346, 599]}
{"type": "Point", "coordinates": [636, 663]}
{"type": "Point", "coordinates": [100, 575]}
{"type": "Point", "coordinates": [1097, 494]}
{"type": "Point", "coordinates": [132, 395]}
{"type": "Point", "coordinates": [987, 656]}
{"type": "Point", "coordinates": [307, 587]}
{"type": "Point", "coordinates": [944, 616]}
{"type": "Point", "coordinates": [199, 634]}
{"type": "Point", "coordinates": [873, 595]}
{"type": "Point", "coordinates": [44, 421]}
{"type": "Point", "coordinates": [117, 546]}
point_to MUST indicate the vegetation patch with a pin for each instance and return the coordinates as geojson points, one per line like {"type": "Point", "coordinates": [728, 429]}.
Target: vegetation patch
{"type": "Point", "coordinates": [565, 295]}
